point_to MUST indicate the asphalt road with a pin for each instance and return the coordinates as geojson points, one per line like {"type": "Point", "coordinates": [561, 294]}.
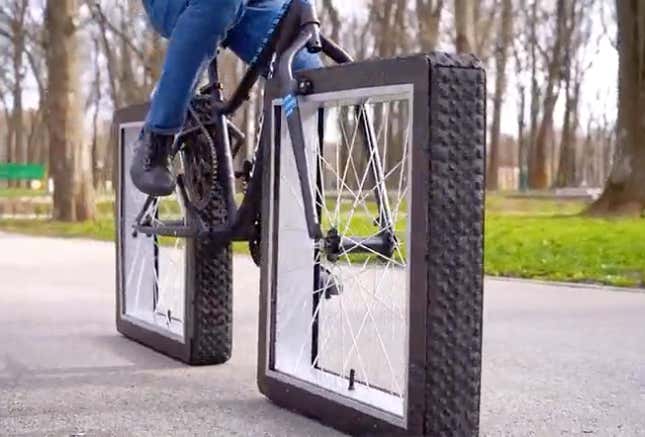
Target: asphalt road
{"type": "Point", "coordinates": [557, 360]}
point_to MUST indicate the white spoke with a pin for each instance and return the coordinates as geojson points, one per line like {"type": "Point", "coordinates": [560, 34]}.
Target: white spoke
{"type": "Point", "coordinates": [156, 271]}
{"type": "Point", "coordinates": [326, 337]}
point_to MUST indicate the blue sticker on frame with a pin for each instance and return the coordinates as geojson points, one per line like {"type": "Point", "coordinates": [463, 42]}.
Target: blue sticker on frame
{"type": "Point", "coordinates": [290, 104]}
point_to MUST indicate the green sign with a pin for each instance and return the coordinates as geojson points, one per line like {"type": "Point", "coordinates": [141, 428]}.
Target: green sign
{"type": "Point", "coordinates": [21, 172]}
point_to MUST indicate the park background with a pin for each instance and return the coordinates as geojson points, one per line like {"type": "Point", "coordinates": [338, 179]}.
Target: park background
{"type": "Point", "coordinates": [566, 140]}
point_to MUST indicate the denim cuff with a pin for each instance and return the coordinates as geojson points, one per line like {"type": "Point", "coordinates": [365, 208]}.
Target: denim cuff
{"type": "Point", "coordinates": [161, 131]}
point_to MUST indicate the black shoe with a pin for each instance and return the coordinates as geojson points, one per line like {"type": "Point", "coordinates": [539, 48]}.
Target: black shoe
{"type": "Point", "coordinates": [150, 169]}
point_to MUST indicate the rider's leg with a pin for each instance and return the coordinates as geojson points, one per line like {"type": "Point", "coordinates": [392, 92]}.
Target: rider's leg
{"type": "Point", "coordinates": [198, 31]}
{"type": "Point", "coordinates": [163, 14]}
{"type": "Point", "coordinates": [258, 21]}
{"type": "Point", "coordinates": [196, 28]}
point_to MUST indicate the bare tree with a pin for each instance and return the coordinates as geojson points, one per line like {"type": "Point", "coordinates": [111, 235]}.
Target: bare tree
{"type": "Point", "coordinates": [486, 17]}
{"type": "Point", "coordinates": [130, 87]}
{"type": "Point", "coordinates": [94, 100]}
{"type": "Point", "coordinates": [5, 146]}
{"type": "Point", "coordinates": [37, 143]}
{"type": "Point", "coordinates": [538, 177]}
{"type": "Point", "coordinates": [331, 19]}
{"type": "Point", "coordinates": [625, 189]}
{"type": "Point", "coordinates": [429, 16]}
{"type": "Point", "coordinates": [132, 68]}
{"type": "Point", "coordinates": [534, 114]}
{"type": "Point", "coordinates": [387, 18]}
{"type": "Point", "coordinates": [13, 15]}
{"type": "Point", "coordinates": [70, 155]}
{"type": "Point", "coordinates": [465, 25]}
{"type": "Point", "coordinates": [501, 58]}
{"type": "Point", "coordinates": [578, 34]}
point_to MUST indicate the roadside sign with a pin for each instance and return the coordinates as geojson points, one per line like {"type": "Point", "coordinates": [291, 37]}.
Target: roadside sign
{"type": "Point", "coordinates": [21, 172]}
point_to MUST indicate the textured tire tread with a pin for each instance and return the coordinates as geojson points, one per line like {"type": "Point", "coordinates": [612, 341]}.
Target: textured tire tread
{"type": "Point", "coordinates": [212, 322]}
{"type": "Point", "coordinates": [455, 245]}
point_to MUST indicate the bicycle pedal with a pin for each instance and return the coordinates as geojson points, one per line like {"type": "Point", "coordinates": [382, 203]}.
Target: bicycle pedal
{"type": "Point", "coordinates": [328, 284]}
{"type": "Point", "coordinates": [245, 173]}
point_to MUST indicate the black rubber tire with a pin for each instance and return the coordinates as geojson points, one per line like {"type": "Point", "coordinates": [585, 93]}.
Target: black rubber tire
{"type": "Point", "coordinates": [208, 331]}
{"type": "Point", "coordinates": [211, 268]}
{"type": "Point", "coordinates": [455, 244]}
{"type": "Point", "coordinates": [446, 281]}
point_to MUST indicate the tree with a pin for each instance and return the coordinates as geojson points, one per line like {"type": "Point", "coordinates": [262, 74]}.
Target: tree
{"type": "Point", "coordinates": [37, 143]}
{"type": "Point", "coordinates": [7, 135]}
{"type": "Point", "coordinates": [429, 15]}
{"type": "Point", "coordinates": [387, 18]}
{"type": "Point", "coordinates": [331, 19]}
{"type": "Point", "coordinates": [577, 34]}
{"type": "Point", "coordinates": [538, 177]}
{"type": "Point", "coordinates": [501, 58]}
{"type": "Point", "coordinates": [625, 189]}
{"type": "Point", "coordinates": [70, 155]}
{"type": "Point", "coordinates": [13, 16]}
{"type": "Point", "coordinates": [465, 25]}
{"type": "Point", "coordinates": [534, 112]}
{"type": "Point", "coordinates": [133, 64]}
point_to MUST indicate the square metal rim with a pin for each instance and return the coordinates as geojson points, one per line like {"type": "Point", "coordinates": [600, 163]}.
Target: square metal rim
{"type": "Point", "coordinates": [413, 71]}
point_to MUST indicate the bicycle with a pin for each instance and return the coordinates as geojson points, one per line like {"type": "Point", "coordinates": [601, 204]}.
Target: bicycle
{"type": "Point", "coordinates": [363, 208]}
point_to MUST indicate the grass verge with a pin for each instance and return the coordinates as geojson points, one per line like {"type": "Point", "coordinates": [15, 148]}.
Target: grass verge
{"type": "Point", "coordinates": [13, 193]}
{"type": "Point", "coordinates": [524, 238]}
{"type": "Point", "coordinates": [567, 248]}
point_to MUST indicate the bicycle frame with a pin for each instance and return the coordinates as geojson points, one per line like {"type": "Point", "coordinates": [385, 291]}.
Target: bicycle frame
{"type": "Point", "coordinates": [299, 28]}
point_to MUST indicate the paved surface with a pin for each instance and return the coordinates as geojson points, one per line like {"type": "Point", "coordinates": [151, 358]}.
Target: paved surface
{"type": "Point", "coordinates": [557, 361]}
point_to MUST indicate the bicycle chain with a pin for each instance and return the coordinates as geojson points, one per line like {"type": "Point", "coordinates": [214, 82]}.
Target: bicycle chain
{"type": "Point", "coordinates": [200, 157]}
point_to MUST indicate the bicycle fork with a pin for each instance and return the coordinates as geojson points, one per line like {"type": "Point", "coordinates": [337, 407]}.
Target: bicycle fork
{"type": "Point", "coordinates": [290, 89]}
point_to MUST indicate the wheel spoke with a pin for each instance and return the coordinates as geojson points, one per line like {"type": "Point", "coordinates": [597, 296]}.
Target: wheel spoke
{"type": "Point", "coordinates": [362, 330]}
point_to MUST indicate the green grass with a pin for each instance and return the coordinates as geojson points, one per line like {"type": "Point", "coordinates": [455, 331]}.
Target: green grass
{"type": "Point", "coordinates": [508, 205]}
{"type": "Point", "coordinates": [13, 193]}
{"type": "Point", "coordinates": [566, 248]}
{"type": "Point", "coordinates": [527, 238]}
{"type": "Point", "coordinates": [101, 229]}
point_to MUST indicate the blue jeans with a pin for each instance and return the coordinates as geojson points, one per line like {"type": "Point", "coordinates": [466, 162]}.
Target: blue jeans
{"type": "Point", "coordinates": [195, 29]}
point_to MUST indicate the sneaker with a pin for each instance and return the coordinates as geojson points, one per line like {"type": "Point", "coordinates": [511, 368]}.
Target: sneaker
{"type": "Point", "coordinates": [150, 169]}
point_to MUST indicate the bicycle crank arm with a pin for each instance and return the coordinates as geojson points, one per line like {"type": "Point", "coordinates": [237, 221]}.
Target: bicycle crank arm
{"type": "Point", "coordinates": [176, 229]}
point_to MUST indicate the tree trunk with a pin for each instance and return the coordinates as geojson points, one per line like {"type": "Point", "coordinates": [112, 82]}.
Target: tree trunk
{"type": "Point", "coordinates": [429, 16]}
{"type": "Point", "coordinates": [4, 145]}
{"type": "Point", "coordinates": [334, 19]}
{"type": "Point", "coordinates": [70, 155]}
{"type": "Point", "coordinates": [385, 17]}
{"type": "Point", "coordinates": [625, 189]}
{"type": "Point", "coordinates": [131, 91]}
{"type": "Point", "coordinates": [9, 136]}
{"type": "Point", "coordinates": [465, 25]}
{"type": "Point", "coordinates": [567, 176]}
{"type": "Point", "coordinates": [538, 177]}
{"type": "Point", "coordinates": [97, 165]}
{"type": "Point", "coordinates": [99, 17]}
{"type": "Point", "coordinates": [535, 93]}
{"type": "Point", "coordinates": [17, 29]}
{"type": "Point", "coordinates": [155, 55]}
{"type": "Point", "coordinates": [501, 57]}
{"type": "Point", "coordinates": [521, 141]}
